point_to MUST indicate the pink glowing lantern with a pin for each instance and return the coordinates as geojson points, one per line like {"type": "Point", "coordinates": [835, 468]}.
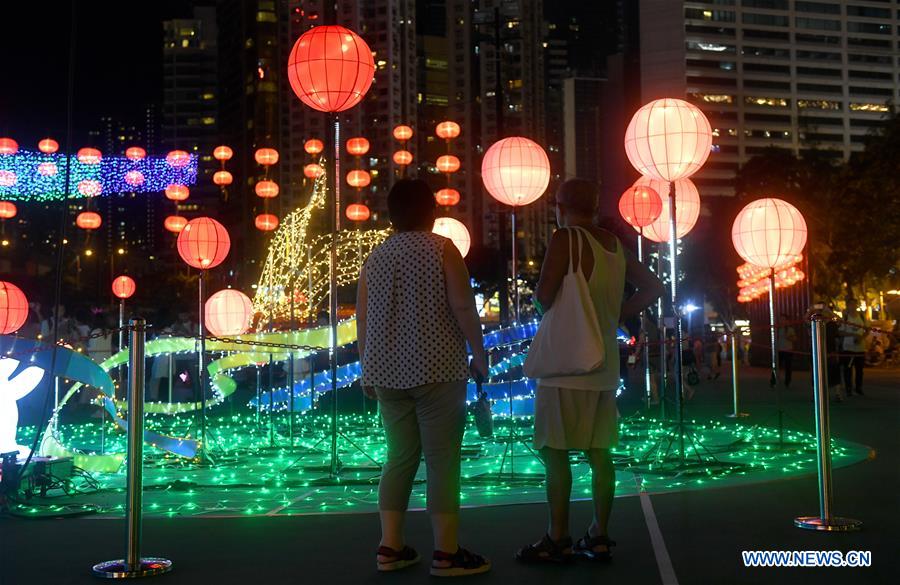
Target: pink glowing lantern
{"type": "Point", "coordinates": [769, 233]}
{"type": "Point", "coordinates": [47, 169]}
{"type": "Point", "coordinates": [90, 188]}
{"type": "Point", "coordinates": [515, 171]}
{"type": "Point", "coordinates": [134, 178]}
{"type": "Point", "coordinates": [8, 178]}
{"type": "Point", "coordinates": [687, 208]}
{"type": "Point", "coordinates": [668, 139]}
{"type": "Point", "coordinates": [228, 312]}
{"type": "Point", "coordinates": [455, 231]}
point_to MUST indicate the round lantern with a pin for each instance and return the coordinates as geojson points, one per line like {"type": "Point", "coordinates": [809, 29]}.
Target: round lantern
{"type": "Point", "coordinates": [769, 232]}
{"type": "Point", "coordinates": [203, 243]}
{"type": "Point", "coordinates": [403, 133]}
{"type": "Point", "coordinates": [640, 206]}
{"type": "Point", "coordinates": [447, 196]}
{"type": "Point", "coordinates": [134, 178]}
{"type": "Point", "coordinates": [228, 312]}
{"type": "Point", "coordinates": [313, 146]}
{"type": "Point", "coordinates": [687, 208]}
{"type": "Point", "coordinates": [447, 130]}
{"type": "Point", "coordinates": [7, 210]}
{"type": "Point", "coordinates": [175, 223]}
{"type": "Point", "coordinates": [403, 157]}
{"type": "Point", "coordinates": [668, 139]}
{"type": "Point", "coordinates": [266, 156]}
{"type": "Point", "coordinates": [8, 146]}
{"type": "Point", "coordinates": [47, 169]}
{"type": "Point", "coordinates": [358, 179]}
{"type": "Point", "coordinates": [13, 308]}
{"type": "Point", "coordinates": [223, 153]}
{"type": "Point", "coordinates": [123, 286]}
{"type": "Point", "coordinates": [8, 178]}
{"type": "Point", "coordinates": [515, 171]}
{"type": "Point", "coordinates": [447, 163]}
{"type": "Point", "coordinates": [176, 192]}
{"type": "Point", "coordinates": [135, 153]}
{"type": "Point", "coordinates": [222, 178]}
{"type": "Point", "coordinates": [89, 156]}
{"type": "Point", "coordinates": [48, 146]}
{"type": "Point", "coordinates": [330, 68]}
{"type": "Point", "coordinates": [267, 189]}
{"type": "Point", "coordinates": [358, 146]}
{"type": "Point", "coordinates": [178, 158]}
{"type": "Point", "coordinates": [313, 171]}
{"type": "Point", "coordinates": [88, 220]}
{"type": "Point", "coordinates": [90, 187]}
{"type": "Point", "coordinates": [266, 222]}
{"type": "Point", "coordinates": [357, 212]}
{"type": "Point", "coordinates": [455, 231]}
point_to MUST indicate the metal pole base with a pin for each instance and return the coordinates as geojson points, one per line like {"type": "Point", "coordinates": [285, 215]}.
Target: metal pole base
{"type": "Point", "coordinates": [831, 525]}
{"type": "Point", "coordinates": [118, 569]}
{"type": "Point", "coordinates": [737, 415]}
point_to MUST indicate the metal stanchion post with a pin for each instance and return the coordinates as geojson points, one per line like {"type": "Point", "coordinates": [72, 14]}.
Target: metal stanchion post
{"type": "Point", "coordinates": [734, 377]}
{"type": "Point", "coordinates": [825, 520]}
{"type": "Point", "coordinates": [133, 565]}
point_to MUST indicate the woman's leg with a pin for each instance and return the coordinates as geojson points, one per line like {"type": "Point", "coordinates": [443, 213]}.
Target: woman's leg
{"type": "Point", "coordinates": [603, 485]}
{"type": "Point", "coordinates": [401, 430]}
{"type": "Point", "coordinates": [559, 490]}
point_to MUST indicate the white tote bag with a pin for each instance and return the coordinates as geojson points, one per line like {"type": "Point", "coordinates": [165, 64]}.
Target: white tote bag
{"type": "Point", "coordinates": [569, 341]}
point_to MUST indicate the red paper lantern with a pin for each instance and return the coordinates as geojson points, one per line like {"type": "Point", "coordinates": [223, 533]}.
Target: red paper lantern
{"type": "Point", "coordinates": [222, 178]}
{"type": "Point", "coordinates": [90, 187]}
{"type": "Point", "coordinates": [178, 158]}
{"type": "Point", "coordinates": [640, 206]}
{"type": "Point", "coordinates": [266, 222]}
{"type": "Point", "coordinates": [515, 171]}
{"type": "Point", "coordinates": [403, 157]}
{"type": "Point", "coordinates": [135, 153]}
{"type": "Point", "coordinates": [13, 308]}
{"type": "Point", "coordinates": [123, 286]}
{"type": "Point", "coordinates": [403, 132]}
{"type": "Point", "coordinates": [668, 139]}
{"type": "Point", "coordinates": [8, 146]}
{"type": "Point", "coordinates": [447, 163]}
{"type": "Point", "coordinates": [8, 178]}
{"type": "Point", "coordinates": [330, 68]}
{"type": "Point", "coordinates": [89, 156]}
{"type": "Point", "coordinates": [223, 153]}
{"type": "Point", "coordinates": [48, 146]}
{"type": "Point", "coordinates": [455, 231]}
{"type": "Point", "coordinates": [267, 189]}
{"type": "Point", "coordinates": [176, 192]}
{"type": "Point", "coordinates": [357, 212]}
{"type": "Point", "coordinates": [769, 232]}
{"type": "Point", "coordinates": [447, 130]}
{"type": "Point", "coordinates": [313, 146]}
{"type": "Point", "coordinates": [134, 178]}
{"type": "Point", "coordinates": [7, 210]}
{"type": "Point", "coordinates": [228, 312]}
{"type": "Point", "coordinates": [358, 146]}
{"type": "Point", "coordinates": [447, 196]}
{"type": "Point", "coordinates": [47, 169]}
{"type": "Point", "coordinates": [88, 220]}
{"type": "Point", "coordinates": [359, 179]}
{"type": "Point", "coordinates": [266, 156]}
{"type": "Point", "coordinates": [687, 208]}
{"type": "Point", "coordinates": [203, 243]}
{"type": "Point", "coordinates": [175, 223]}
{"type": "Point", "coordinates": [313, 171]}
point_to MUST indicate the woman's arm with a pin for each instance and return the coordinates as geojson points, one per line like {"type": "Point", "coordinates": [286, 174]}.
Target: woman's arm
{"type": "Point", "coordinates": [362, 297]}
{"type": "Point", "coordinates": [554, 268]}
{"type": "Point", "coordinates": [462, 303]}
{"type": "Point", "coordinates": [649, 288]}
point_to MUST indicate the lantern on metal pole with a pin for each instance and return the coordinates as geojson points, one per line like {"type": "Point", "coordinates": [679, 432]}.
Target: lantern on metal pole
{"type": "Point", "coordinates": [123, 287]}
{"type": "Point", "coordinates": [515, 172]}
{"type": "Point", "coordinates": [330, 69]}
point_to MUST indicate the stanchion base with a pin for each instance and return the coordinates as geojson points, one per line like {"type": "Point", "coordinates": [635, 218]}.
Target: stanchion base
{"type": "Point", "coordinates": [832, 525]}
{"type": "Point", "coordinates": [117, 569]}
{"type": "Point", "coordinates": [737, 415]}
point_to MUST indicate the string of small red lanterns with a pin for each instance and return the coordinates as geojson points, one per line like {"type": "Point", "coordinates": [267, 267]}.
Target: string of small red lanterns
{"type": "Point", "coordinates": [447, 164]}
{"type": "Point", "coordinates": [358, 179]}
{"type": "Point", "coordinates": [403, 157]}
{"type": "Point", "coordinates": [266, 189]}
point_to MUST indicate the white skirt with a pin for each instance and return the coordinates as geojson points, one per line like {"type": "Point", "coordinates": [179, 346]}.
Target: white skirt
{"type": "Point", "coordinates": [565, 418]}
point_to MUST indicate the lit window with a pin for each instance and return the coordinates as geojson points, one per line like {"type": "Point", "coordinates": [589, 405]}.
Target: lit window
{"type": "Point", "coordinates": [208, 96]}
{"type": "Point", "coordinates": [819, 104]}
{"type": "Point", "coordinates": [185, 43]}
{"type": "Point", "coordinates": [713, 98]}
{"type": "Point", "coordinates": [868, 107]}
{"type": "Point", "coordinates": [766, 101]}
{"type": "Point", "coordinates": [209, 121]}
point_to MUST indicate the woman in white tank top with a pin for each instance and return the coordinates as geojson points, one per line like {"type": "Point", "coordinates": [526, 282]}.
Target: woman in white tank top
{"type": "Point", "coordinates": [579, 412]}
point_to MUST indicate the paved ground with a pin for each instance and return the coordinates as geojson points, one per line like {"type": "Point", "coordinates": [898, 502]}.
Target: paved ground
{"type": "Point", "coordinates": [703, 532]}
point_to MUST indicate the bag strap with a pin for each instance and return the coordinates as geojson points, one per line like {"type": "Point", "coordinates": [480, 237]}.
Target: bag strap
{"type": "Point", "coordinates": [577, 233]}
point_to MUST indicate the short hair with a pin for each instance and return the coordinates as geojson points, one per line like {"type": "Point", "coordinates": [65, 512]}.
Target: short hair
{"type": "Point", "coordinates": [411, 205]}
{"type": "Point", "coordinates": [579, 195]}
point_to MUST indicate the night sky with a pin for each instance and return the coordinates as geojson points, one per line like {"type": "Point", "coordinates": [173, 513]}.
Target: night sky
{"type": "Point", "coordinates": [118, 64]}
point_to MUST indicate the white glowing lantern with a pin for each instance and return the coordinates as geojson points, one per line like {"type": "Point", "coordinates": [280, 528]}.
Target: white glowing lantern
{"type": "Point", "coordinates": [455, 231]}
